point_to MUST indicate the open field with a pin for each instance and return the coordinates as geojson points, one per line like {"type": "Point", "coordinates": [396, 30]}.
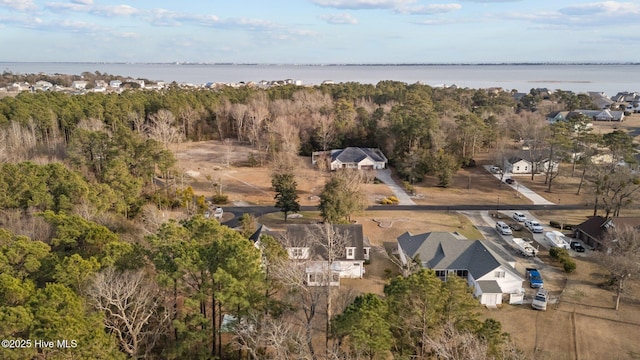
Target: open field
{"type": "Point", "coordinates": [582, 326]}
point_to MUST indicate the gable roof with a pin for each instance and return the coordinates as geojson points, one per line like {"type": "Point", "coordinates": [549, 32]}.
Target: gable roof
{"type": "Point", "coordinates": [356, 154]}
{"type": "Point", "coordinates": [305, 235]}
{"type": "Point", "coordinates": [444, 250]}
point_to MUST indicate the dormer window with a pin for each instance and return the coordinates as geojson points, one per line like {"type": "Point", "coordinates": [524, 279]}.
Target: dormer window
{"type": "Point", "coordinates": [351, 253]}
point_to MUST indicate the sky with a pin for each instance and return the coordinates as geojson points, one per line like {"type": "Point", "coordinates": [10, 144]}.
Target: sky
{"type": "Point", "coordinates": [320, 31]}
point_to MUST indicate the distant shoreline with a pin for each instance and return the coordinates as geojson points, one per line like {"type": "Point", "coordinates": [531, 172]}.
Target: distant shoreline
{"type": "Point", "coordinates": [179, 63]}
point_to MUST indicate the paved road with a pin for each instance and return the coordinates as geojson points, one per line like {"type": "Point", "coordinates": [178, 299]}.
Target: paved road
{"type": "Point", "coordinates": [258, 211]}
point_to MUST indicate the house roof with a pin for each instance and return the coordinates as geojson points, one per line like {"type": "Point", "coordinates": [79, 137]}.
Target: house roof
{"type": "Point", "coordinates": [596, 226]}
{"type": "Point", "coordinates": [598, 114]}
{"type": "Point", "coordinates": [592, 226]}
{"type": "Point", "coordinates": [356, 154]}
{"type": "Point", "coordinates": [526, 155]}
{"type": "Point", "coordinates": [313, 236]}
{"type": "Point", "coordinates": [489, 287]}
{"type": "Point", "coordinates": [444, 250]}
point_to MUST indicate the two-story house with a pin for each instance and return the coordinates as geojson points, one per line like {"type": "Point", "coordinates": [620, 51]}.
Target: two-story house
{"type": "Point", "coordinates": [488, 270]}
{"type": "Point", "coordinates": [327, 252]}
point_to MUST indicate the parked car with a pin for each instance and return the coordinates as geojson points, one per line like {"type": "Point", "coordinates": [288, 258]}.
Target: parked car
{"type": "Point", "coordinates": [540, 300]}
{"type": "Point", "coordinates": [533, 226]}
{"type": "Point", "coordinates": [509, 181]}
{"type": "Point", "coordinates": [218, 213]}
{"type": "Point", "coordinates": [503, 228]}
{"type": "Point", "coordinates": [495, 169]}
{"type": "Point", "coordinates": [519, 217]}
{"type": "Point", "coordinates": [575, 245]}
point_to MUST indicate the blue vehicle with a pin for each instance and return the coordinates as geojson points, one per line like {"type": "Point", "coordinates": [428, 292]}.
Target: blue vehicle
{"type": "Point", "coordinates": [535, 279]}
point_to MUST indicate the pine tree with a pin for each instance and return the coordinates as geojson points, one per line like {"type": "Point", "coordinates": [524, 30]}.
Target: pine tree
{"type": "Point", "coordinates": [286, 197]}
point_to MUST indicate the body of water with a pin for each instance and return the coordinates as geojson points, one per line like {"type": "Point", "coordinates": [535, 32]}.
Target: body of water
{"type": "Point", "coordinates": [607, 78]}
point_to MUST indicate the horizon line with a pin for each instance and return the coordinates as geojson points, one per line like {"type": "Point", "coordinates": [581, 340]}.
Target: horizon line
{"type": "Point", "coordinates": [177, 63]}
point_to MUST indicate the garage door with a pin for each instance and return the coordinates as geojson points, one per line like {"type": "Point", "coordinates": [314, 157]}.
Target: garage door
{"type": "Point", "coordinates": [489, 299]}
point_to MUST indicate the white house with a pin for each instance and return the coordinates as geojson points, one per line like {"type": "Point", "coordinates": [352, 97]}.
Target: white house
{"type": "Point", "coordinates": [488, 270]}
{"type": "Point", "coordinates": [522, 164]}
{"type": "Point", "coordinates": [310, 245]}
{"type": "Point", "coordinates": [79, 84]}
{"type": "Point", "coordinates": [352, 158]}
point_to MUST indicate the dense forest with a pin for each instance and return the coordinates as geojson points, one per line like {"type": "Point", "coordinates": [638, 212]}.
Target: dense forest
{"type": "Point", "coordinates": [85, 257]}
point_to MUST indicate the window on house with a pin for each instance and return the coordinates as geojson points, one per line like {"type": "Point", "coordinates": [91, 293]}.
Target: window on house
{"type": "Point", "coordinates": [517, 168]}
{"type": "Point", "coordinates": [351, 253]}
{"type": "Point", "coordinates": [311, 278]}
{"type": "Point", "coordinates": [335, 277]}
{"type": "Point", "coordinates": [499, 274]}
{"type": "Point", "coordinates": [526, 168]}
{"type": "Point", "coordinates": [297, 253]}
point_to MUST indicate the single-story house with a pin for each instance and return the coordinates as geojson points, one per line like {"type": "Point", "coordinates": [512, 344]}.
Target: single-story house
{"type": "Point", "coordinates": [308, 246]}
{"type": "Point", "coordinates": [599, 115]}
{"type": "Point", "coordinates": [522, 164]}
{"type": "Point", "coordinates": [601, 100]}
{"type": "Point", "coordinates": [593, 231]}
{"type": "Point", "coordinates": [517, 165]}
{"type": "Point", "coordinates": [488, 270]}
{"type": "Point", "coordinates": [352, 158]}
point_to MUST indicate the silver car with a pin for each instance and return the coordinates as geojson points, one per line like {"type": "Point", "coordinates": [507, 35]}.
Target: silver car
{"type": "Point", "coordinates": [534, 226]}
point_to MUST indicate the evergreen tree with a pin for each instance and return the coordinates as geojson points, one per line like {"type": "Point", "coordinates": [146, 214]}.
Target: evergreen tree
{"type": "Point", "coordinates": [286, 197]}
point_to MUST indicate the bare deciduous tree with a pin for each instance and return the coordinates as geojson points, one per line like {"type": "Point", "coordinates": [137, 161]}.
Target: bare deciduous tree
{"type": "Point", "coordinates": [162, 128]}
{"type": "Point", "coordinates": [133, 312]}
{"type": "Point", "coordinates": [267, 337]}
{"type": "Point", "coordinates": [451, 344]}
{"type": "Point", "coordinates": [621, 256]}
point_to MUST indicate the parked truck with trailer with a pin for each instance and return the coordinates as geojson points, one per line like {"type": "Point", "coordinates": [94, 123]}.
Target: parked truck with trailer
{"type": "Point", "coordinates": [525, 247]}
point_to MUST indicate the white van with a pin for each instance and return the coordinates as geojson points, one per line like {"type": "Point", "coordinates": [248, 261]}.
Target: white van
{"type": "Point", "coordinates": [503, 228]}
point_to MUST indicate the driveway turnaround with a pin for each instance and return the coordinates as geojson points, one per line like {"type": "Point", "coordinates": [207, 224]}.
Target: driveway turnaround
{"type": "Point", "coordinates": [385, 176]}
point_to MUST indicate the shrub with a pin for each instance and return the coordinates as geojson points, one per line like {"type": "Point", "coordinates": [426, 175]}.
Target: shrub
{"type": "Point", "coordinates": [408, 187]}
{"type": "Point", "coordinates": [220, 199]}
{"type": "Point", "coordinates": [391, 200]}
{"type": "Point", "coordinates": [558, 253]}
{"type": "Point", "coordinates": [569, 265]}
{"type": "Point", "coordinates": [559, 225]}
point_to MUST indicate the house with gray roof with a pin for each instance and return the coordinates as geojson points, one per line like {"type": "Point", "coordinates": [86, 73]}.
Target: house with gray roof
{"type": "Point", "coordinates": [353, 158]}
{"type": "Point", "coordinates": [328, 252]}
{"type": "Point", "coordinates": [488, 270]}
{"type": "Point", "coordinates": [599, 115]}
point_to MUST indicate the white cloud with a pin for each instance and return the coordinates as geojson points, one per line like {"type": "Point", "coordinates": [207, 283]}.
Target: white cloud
{"type": "Point", "coordinates": [339, 19]}
{"type": "Point", "coordinates": [363, 4]}
{"type": "Point", "coordinates": [82, 2]}
{"type": "Point", "coordinates": [599, 8]}
{"type": "Point", "coordinates": [429, 9]}
{"type": "Point", "coordinates": [21, 5]}
{"type": "Point", "coordinates": [491, 1]}
{"type": "Point", "coordinates": [117, 10]}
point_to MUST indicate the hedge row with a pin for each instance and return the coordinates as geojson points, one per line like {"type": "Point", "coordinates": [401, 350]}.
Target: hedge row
{"type": "Point", "coordinates": [562, 255]}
